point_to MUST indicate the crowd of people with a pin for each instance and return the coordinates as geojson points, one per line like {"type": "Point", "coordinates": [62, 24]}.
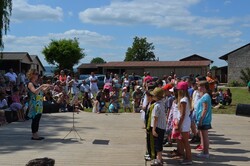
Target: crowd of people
{"type": "Point", "coordinates": [172, 106]}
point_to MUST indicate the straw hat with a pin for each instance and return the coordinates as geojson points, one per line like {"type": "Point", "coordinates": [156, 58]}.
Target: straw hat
{"type": "Point", "coordinates": [158, 93]}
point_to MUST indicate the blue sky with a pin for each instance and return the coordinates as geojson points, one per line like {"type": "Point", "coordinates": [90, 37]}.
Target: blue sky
{"type": "Point", "coordinates": [106, 28]}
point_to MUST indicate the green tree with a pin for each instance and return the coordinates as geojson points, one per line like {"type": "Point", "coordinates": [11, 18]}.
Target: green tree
{"type": "Point", "coordinates": [245, 75]}
{"type": "Point", "coordinates": [64, 53]}
{"type": "Point", "coordinates": [214, 67]}
{"type": "Point", "coordinates": [5, 13]}
{"type": "Point", "coordinates": [141, 50]}
{"type": "Point", "coordinates": [97, 60]}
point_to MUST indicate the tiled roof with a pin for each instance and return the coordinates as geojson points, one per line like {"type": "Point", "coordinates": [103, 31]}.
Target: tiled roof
{"type": "Point", "coordinates": [14, 55]}
{"type": "Point", "coordinates": [87, 65]}
{"type": "Point", "coordinates": [156, 64]}
{"type": "Point", "coordinates": [196, 57]}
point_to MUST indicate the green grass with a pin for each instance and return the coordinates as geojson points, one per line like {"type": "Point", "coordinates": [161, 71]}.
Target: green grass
{"type": "Point", "coordinates": [239, 96]}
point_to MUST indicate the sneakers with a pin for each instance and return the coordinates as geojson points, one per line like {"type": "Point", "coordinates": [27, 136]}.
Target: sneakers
{"type": "Point", "coordinates": [186, 162]}
{"type": "Point", "coordinates": [156, 163]}
{"type": "Point", "coordinates": [199, 148]}
{"type": "Point", "coordinates": [202, 155]}
{"type": "Point", "coordinates": [168, 144]}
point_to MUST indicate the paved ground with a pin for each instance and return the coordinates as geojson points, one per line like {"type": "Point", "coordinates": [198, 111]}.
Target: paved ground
{"type": "Point", "coordinates": [230, 143]}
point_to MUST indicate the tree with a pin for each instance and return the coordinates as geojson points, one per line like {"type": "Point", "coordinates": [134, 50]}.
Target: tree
{"type": "Point", "coordinates": [245, 75]}
{"type": "Point", "coordinates": [214, 67]}
{"type": "Point", "coordinates": [97, 60]}
{"type": "Point", "coordinates": [5, 13]}
{"type": "Point", "coordinates": [141, 50]}
{"type": "Point", "coordinates": [65, 53]}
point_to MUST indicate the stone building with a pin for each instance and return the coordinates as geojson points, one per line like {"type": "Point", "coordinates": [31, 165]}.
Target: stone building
{"type": "Point", "coordinates": [237, 60]}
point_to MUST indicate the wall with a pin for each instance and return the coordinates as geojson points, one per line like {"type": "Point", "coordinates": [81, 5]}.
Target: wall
{"type": "Point", "coordinates": [236, 61]}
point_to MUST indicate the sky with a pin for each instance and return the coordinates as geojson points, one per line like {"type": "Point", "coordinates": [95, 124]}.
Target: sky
{"type": "Point", "coordinates": [106, 28]}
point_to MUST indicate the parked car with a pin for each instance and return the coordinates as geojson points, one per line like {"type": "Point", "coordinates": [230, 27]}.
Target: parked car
{"type": "Point", "coordinates": [82, 77]}
{"type": "Point", "coordinates": [137, 78]}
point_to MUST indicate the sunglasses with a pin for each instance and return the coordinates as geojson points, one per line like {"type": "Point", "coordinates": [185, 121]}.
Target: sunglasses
{"type": "Point", "coordinates": [36, 74]}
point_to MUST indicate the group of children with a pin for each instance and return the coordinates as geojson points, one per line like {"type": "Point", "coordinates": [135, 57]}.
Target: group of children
{"type": "Point", "coordinates": [171, 110]}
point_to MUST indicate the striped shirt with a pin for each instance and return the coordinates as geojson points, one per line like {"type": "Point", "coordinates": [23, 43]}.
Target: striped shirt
{"type": "Point", "coordinates": [159, 111]}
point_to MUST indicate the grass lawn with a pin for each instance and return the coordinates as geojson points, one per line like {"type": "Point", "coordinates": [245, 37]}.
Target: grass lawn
{"type": "Point", "coordinates": [240, 95]}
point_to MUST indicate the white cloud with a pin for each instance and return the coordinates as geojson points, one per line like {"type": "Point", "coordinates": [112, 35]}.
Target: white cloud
{"type": "Point", "coordinates": [35, 44]}
{"type": "Point", "coordinates": [227, 2]}
{"type": "Point", "coordinates": [160, 13]}
{"type": "Point", "coordinates": [22, 10]}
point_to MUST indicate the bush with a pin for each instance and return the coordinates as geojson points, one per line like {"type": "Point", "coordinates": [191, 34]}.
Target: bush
{"type": "Point", "coordinates": [245, 75]}
{"type": "Point", "coordinates": [235, 83]}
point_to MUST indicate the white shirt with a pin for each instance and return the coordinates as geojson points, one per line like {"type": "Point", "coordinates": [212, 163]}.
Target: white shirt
{"type": "Point", "coordinates": [21, 78]}
{"type": "Point", "coordinates": [159, 111]}
{"type": "Point", "coordinates": [12, 76]}
{"type": "Point", "coordinates": [75, 87]}
{"type": "Point", "coordinates": [187, 121]}
{"type": "Point", "coordinates": [107, 80]}
{"type": "Point", "coordinates": [85, 88]}
{"type": "Point", "coordinates": [3, 103]}
{"type": "Point", "coordinates": [93, 78]}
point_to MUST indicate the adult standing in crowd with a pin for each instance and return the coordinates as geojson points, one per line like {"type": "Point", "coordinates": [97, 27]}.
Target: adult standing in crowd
{"type": "Point", "coordinates": [93, 84]}
{"type": "Point", "coordinates": [21, 78]}
{"type": "Point", "coordinates": [211, 81]}
{"type": "Point", "coordinates": [11, 76]}
{"type": "Point", "coordinates": [35, 93]}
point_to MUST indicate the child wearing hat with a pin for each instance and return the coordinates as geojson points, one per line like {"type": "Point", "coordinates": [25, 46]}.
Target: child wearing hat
{"type": "Point", "coordinates": [184, 124]}
{"type": "Point", "coordinates": [158, 124]}
{"type": "Point", "coordinates": [150, 138]}
{"type": "Point", "coordinates": [125, 99]}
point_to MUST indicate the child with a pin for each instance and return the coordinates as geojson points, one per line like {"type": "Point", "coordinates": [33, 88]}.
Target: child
{"type": "Point", "coordinates": [125, 99]}
{"type": "Point", "coordinates": [16, 105]}
{"type": "Point", "coordinates": [204, 117]}
{"type": "Point", "coordinates": [173, 121]}
{"type": "Point", "coordinates": [158, 124]}
{"type": "Point", "coordinates": [3, 105]}
{"type": "Point", "coordinates": [184, 124]}
{"type": "Point", "coordinates": [168, 104]}
{"type": "Point", "coordinates": [195, 99]}
{"type": "Point", "coordinates": [150, 139]}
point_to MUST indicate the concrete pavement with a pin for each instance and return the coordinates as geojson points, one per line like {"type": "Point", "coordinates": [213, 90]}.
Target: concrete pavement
{"type": "Point", "coordinates": [230, 143]}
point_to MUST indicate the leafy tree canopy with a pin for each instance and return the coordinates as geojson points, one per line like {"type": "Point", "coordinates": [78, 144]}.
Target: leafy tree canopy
{"type": "Point", "coordinates": [141, 50]}
{"type": "Point", "coordinates": [64, 53]}
{"type": "Point", "coordinates": [5, 13]}
{"type": "Point", "coordinates": [97, 60]}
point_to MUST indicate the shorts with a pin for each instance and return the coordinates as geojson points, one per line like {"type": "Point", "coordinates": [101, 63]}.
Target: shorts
{"type": "Point", "coordinates": [159, 140]}
{"type": "Point", "coordinates": [204, 127]}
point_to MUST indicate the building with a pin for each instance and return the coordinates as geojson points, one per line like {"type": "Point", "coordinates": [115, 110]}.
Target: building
{"type": "Point", "coordinates": [156, 68]}
{"type": "Point", "coordinates": [37, 64]}
{"type": "Point", "coordinates": [237, 60]}
{"type": "Point", "coordinates": [196, 57]}
{"type": "Point", "coordinates": [19, 61]}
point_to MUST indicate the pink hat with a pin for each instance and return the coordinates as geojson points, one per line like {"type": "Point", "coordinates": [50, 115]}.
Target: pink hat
{"type": "Point", "coordinates": [182, 85]}
{"type": "Point", "coordinates": [124, 88]}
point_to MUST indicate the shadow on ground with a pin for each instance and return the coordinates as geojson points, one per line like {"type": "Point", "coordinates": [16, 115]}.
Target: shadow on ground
{"type": "Point", "coordinates": [226, 154]}
{"type": "Point", "coordinates": [16, 136]}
